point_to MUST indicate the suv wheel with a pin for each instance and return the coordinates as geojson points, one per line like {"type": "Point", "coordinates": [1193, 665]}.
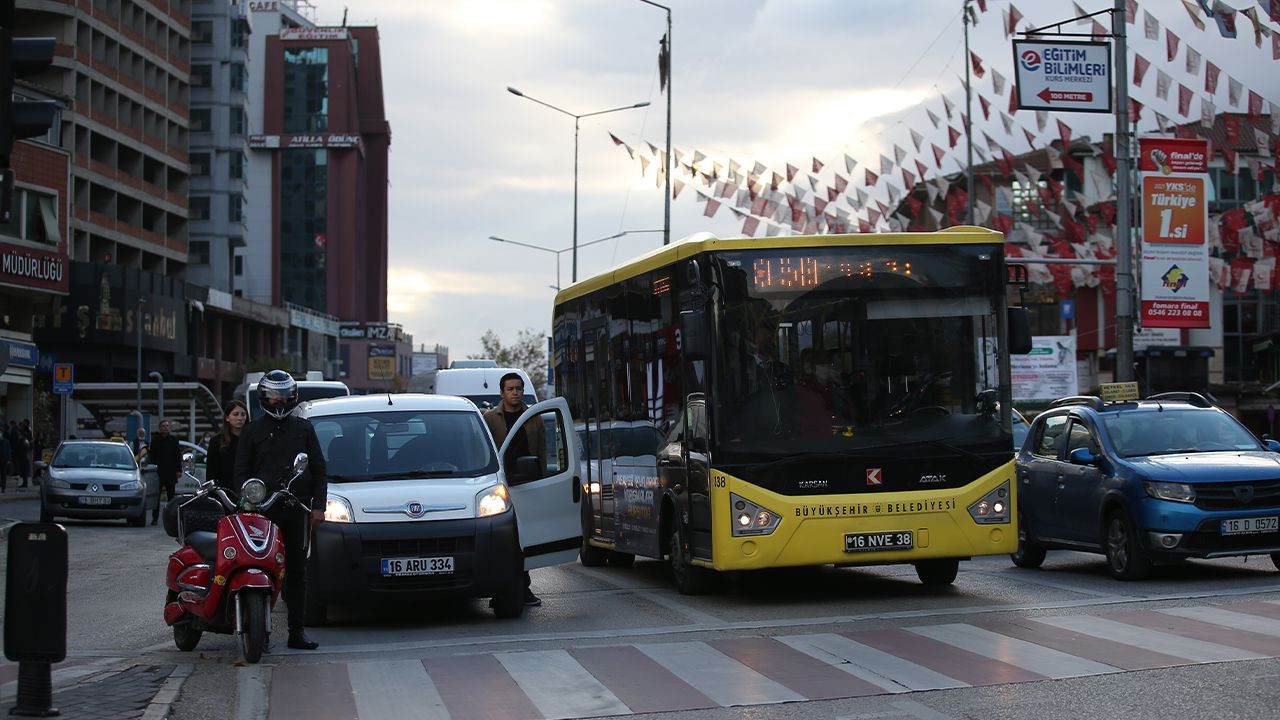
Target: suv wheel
{"type": "Point", "coordinates": [1028, 554]}
{"type": "Point", "coordinates": [1275, 560]}
{"type": "Point", "coordinates": [1126, 560]}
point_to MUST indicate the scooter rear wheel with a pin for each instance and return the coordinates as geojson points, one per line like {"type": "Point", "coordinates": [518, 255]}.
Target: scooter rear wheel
{"type": "Point", "coordinates": [253, 639]}
{"type": "Point", "coordinates": [184, 636]}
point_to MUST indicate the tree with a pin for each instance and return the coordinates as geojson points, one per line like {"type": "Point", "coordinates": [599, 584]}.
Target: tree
{"type": "Point", "coordinates": [529, 353]}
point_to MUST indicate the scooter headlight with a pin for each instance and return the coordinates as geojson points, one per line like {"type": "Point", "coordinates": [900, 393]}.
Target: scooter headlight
{"type": "Point", "coordinates": [253, 491]}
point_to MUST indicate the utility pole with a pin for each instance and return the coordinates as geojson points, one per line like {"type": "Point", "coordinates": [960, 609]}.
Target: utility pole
{"type": "Point", "coordinates": [1124, 257]}
{"type": "Point", "coordinates": [968, 118]}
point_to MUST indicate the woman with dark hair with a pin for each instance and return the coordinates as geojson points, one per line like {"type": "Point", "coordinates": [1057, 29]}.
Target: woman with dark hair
{"type": "Point", "coordinates": [222, 447]}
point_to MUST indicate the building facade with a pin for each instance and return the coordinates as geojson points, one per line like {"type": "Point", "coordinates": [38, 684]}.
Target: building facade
{"type": "Point", "coordinates": [376, 357]}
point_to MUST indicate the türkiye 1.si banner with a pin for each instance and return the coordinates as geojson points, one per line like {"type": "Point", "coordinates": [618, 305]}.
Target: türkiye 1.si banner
{"type": "Point", "coordinates": [1175, 243]}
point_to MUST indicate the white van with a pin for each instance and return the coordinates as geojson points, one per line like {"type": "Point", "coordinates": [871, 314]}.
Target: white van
{"type": "Point", "coordinates": [480, 385]}
{"type": "Point", "coordinates": [311, 386]}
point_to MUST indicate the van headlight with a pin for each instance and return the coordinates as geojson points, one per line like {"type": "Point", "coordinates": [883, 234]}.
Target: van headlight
{"type": "Point", "coordinates": [749, 518]}
{"type": "Point", "coordinates": [992, 507]}
{"type": "Point", "coordinates": [493, 501]}
{"type": "Point", "coordinates": [1177, 492]}
{"type": "Point", "coordinates": [338, 510]}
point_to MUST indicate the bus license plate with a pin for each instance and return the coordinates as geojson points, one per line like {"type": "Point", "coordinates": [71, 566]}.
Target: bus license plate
{"type": "Point", "coordinates": [94, 500]}
{"type": "Point", "coordinates": [1247, 526]}
{"type": "Point", "coordinates": [392, 567]}
{"type": "Point", "coordinates": [866, 542]}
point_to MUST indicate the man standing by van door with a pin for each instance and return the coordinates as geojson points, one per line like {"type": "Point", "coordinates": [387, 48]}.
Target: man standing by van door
{"type": "Point", "coordinates": [530, 440]}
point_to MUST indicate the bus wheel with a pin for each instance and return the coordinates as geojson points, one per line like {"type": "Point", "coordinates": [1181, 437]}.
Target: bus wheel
{"type": "Point", "coordinates": [592, 556]}
{"type": "Point", "coordinates": [621, 559]}
{"type": "Point", "coordinates": [938, 572]}
{"type": "Point", "coordinates": [689, 579]}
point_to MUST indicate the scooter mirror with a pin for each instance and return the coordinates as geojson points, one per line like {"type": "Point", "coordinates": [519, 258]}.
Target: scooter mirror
{"type": "Point", "coordinates": [300, 463]}
{"type": "Point", "coordinates": [188, 462]}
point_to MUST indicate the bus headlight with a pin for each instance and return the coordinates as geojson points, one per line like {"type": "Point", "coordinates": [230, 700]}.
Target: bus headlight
{"type": "Point", "coordinates": [338, 510]}
{"type": "Point", "coordinates": [749, 518]}
{"type": "Point", "coordinates": [493, 501]}
{"type": "Point", "coordinates": [992, 507]}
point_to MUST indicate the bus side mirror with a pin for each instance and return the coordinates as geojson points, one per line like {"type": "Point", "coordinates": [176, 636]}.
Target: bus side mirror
{"type": "Point", "coordinates": [693, 333]}
{"type": "Point", "coordinates": [1019, 331]}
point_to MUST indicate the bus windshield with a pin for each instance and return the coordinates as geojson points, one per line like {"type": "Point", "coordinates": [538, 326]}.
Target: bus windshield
{"type": "Point", "coordinates": [851, 350]}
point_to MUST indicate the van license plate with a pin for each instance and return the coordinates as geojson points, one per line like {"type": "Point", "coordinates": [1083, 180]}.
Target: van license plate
{"type": "Point", "coordinates": [1247, 526]}
{"type": "Point", "coordinates": [867, 542]}
{"type": "Point", "coordinates": [94, 500]}
{"type": "Point", "coordinates": [392, 567]}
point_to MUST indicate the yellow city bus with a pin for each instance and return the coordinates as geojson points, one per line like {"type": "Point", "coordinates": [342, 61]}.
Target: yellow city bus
{"type": "Point", "coordinates": [760, 403]}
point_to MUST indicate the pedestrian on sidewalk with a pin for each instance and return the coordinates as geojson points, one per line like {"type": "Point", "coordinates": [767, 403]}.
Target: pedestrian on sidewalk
{"type": "Point", "coordinates": [221, 461]}
{"type": "Point", "coordinates": [20, 450]}
{"type": "Point", "coordinates": [164, 454]}
{"type": "Point", "coordinates": [139, 443]}
{"type": "Point", "coordinates": [5, 457]}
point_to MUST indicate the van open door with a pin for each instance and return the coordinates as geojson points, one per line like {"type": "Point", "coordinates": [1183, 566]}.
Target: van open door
{"type": "Point", "coordinates": [545, 488]}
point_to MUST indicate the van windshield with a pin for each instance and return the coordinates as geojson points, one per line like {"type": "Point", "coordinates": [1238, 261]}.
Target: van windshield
{"type": "Point", "coordinates": [408, 443]}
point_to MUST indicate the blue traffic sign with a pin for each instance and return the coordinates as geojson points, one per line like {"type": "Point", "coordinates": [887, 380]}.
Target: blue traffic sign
{"type": "Point", "coordinates": [64, 376]}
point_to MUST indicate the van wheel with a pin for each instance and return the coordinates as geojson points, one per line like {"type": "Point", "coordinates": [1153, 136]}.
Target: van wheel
{"type": "Point", "coordinates": [1028, 554]}
{"type": "Point", "coordinates": [689, 578]}
{"type": "Point", "coordinates": [1126, 560]}
{"type": "Point", "coordinates": [936, 573]}
{"type": "Point", "coordinates": [592, 556]}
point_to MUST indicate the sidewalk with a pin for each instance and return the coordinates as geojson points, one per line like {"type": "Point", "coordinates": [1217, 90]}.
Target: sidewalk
{"type": "Point", "coordinates": [13, 492]}
{"type": "Point", "coordinates": [144, 692]}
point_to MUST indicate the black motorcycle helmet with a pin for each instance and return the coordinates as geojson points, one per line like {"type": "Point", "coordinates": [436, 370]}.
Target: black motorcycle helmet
{"type": "Point", "coordinates": [277, 393]}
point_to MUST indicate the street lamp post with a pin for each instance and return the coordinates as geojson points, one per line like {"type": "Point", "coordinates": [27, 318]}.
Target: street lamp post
{"type": "Point", "coordinates": [138, 322]}
{"type": "Point", "coordinates": [666, 160]}
{"type": "Point", "coordinates": [576, 117]}
{"type": "Point", "coordinates": [557, 253]}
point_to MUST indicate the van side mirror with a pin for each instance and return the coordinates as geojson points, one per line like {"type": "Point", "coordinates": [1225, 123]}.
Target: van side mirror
{"type": "Point", "coordinates": [1019, 331]}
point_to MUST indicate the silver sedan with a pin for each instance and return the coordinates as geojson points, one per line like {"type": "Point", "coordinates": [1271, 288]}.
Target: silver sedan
{"type": "Point", "coordinates": [95, 479]}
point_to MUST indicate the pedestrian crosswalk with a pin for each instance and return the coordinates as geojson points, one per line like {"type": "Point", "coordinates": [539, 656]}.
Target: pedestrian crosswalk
{"type": "Point", "coordinates": [648, 677]}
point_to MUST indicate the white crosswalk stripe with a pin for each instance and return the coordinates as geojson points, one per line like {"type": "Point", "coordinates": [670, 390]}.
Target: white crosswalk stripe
{"type": "Point", "coordinates": [1161, 642]}
{"type": "Point", "coordinates": [1228, 618]}
{"type": "Point", "coordinates": [559, 686]}
{"type": "Point", "coordinates": [1026, 655]}
{"type": "Point", "coordinates": [867, 663]}
{"type": "Point", "coordinates": [716, 675]}
{"type": "Point", "coordinates": [395, 689]}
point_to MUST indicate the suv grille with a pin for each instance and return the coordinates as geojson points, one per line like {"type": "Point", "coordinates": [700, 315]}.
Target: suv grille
{"type": "Point", "coordinates": [1238, 495]}
{"type": "Point", "coordinates": [419, 547]}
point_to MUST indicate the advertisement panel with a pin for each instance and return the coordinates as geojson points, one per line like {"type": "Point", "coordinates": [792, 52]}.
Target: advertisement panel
{"type": "Point", "coordinates": [1048, 372]}
{"type": "Point", "coordinates": [1175, 219]}
{"type": "Point", "coordinates": [382, 362]}
{"type": "Point", "coordinates": [1063, 75]}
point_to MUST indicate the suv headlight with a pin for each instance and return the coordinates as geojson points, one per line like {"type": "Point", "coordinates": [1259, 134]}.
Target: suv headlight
{"type": "Point", "coordinates": [338, 510]}
{"type": "Point", "coordinates": [1177, 492]}
{"type": "Point", "coordinates": [494, 501]}
{"type": "Point", "coordinates": [993, 507]}
{"type": "Point", "coordinates": [748, 518]}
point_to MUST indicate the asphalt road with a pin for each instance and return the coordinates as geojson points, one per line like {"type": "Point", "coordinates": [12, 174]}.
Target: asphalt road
{"type": "Point", "coordinates": [116, 595]}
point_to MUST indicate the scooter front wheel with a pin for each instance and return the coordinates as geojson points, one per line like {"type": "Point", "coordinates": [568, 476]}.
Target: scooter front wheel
{"type": "Point", "coordinates": [253, 625]}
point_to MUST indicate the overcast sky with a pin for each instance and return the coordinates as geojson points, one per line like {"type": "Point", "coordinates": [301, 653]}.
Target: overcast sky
{"type": "Point", "coordinates": [773, 81]}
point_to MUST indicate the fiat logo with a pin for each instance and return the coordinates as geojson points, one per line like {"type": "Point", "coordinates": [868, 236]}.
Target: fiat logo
{"type": "Point", "coordinates": [415, 509]}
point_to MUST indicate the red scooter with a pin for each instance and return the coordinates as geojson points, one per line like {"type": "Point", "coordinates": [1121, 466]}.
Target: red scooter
{"type": "Point", "coordinates": [228, 581]}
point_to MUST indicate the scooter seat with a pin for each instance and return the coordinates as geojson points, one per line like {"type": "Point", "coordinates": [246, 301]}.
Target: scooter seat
{"type": "Point", "coordinates": [205, 543]}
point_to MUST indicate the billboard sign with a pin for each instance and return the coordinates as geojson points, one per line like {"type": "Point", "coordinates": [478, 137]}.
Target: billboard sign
{"type": "Point", "coordinates": [1063, 75]}
{"type": "Point", "coordinates": [1175, 220]}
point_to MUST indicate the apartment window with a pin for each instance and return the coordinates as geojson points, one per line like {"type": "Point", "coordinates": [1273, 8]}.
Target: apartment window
{"type": "Point", "coordinates": [237, 76]}
{"type": "Point", "coordinates": [306, 90]}
{"type": "Point", "coordinates": [239, 33]}
{"type": "Point", "coordinates": [239, 267]}
{"type": "Point", "coordinates": [199, 250]}
{"type": "Point", "coordinates": [237, 121]}
{"type": "Point", "coordinates": [35, 217]}
{"type": "Point", "coordinates": [236, 162]}
{"type": "Point", "coordinates": [200, 164]}
{"type": "Point", "coordinates": [198, 207]}
{"type": "Point", "coordinates": [201, 119]}
{"type": "Point", "coordinates": [201, 31]}
{"type": "Point", "coordinates": [235, 208]}
{"type": "Point", "coordinates": [201, 75]}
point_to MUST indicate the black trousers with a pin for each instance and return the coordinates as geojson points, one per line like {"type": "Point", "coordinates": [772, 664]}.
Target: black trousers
{"type": "Point", "coordinates": [167, 488]}
{"type": "Point", "coordinates": [294, 524]}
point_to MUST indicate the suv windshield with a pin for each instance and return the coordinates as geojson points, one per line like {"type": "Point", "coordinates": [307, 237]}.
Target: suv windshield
{"type": "Point", "coordinates": [1142, 432]}
{"type": "Point", "coordinates": [382, 445]}
{"type": "Point", "coordinates": [113, 456]}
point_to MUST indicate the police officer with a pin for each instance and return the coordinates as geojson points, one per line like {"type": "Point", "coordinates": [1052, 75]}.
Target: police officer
{"type": "Point", "coordinates": [266, 450]}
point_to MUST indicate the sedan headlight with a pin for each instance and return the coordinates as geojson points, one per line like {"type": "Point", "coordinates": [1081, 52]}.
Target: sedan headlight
{"type": "Point", "coordinates": [749, 518]}
{"type": "Point", "coordinates": [1177, 492]}
{"type": "Point", "coordinates": [992, 507]}
{"type": "Point", "coordinates": [493, 501]}
{"type": "Point", "coordinates": [58, 483]}
{"type": "Point", "coordinates": [131, 485]}
{"type": "Point", "coordinates": [338, 510]}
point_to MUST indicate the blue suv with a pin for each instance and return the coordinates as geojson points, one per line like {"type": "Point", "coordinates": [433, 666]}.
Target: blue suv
{"type": "Point", "coordinates": [1161, 479]}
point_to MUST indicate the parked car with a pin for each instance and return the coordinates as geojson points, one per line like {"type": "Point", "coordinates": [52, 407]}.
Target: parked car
{"type": "Point", "coordinates": [422, 502]}
{"type": "Point", "coordinates": [96, 479]}
{"type": "Point", "coordinates": [1161, 479]}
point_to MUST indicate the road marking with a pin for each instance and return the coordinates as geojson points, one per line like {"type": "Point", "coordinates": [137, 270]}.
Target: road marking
{"type": "Point", "coordinates": [559, 685]}
{"type": "Point", "coordinates": [1228, 618]}
{"type": "Point", "coordinates": [880, 668]}
{"type": "Point", "coordinates": [252, 686]}
{"type": "Point", "coordinates": [395, 689]}
{"type": "Point", "coordinates": [718, 676]}
{"type": "Point", "coordinates": [947, 659]}
{"type": "Point", "coordinates": [1161, 642]}
{"type": "Point", "coordinates": [1021, 653]}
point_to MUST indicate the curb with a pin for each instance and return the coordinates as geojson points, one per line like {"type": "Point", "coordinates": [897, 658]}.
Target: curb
{"type": "Point", "coordinates": [168, 694]}
{"type": "Point", "coordinates": [5, 524]}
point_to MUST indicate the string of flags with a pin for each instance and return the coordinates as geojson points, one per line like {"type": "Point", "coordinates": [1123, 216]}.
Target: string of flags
{"type": "Point", "coordinates": [1018, 195]}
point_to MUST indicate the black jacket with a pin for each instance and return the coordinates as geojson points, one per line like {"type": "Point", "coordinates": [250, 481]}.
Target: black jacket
{"type": "Point", "coordinates": [267, 448]}
{"type": "Point", "coordinates": [221, 461]}
{"type": "Point", "coordinates": [164, 453]}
